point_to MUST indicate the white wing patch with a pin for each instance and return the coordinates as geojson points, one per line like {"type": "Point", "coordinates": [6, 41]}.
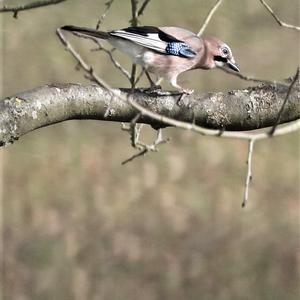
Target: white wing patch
{"type": "Point", "coordinates": [151, 40]}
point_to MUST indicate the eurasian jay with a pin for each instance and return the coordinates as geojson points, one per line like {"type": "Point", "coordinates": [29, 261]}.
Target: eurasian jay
{"type": "Point", "coordinates": [166, 51]}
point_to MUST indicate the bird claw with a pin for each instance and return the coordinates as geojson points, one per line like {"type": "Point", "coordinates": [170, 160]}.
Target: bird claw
{"type": "Point", "coordinates": [184, 93]}
{"type": "Point", "coordinates": [155, 89]}
{"type": "Point", "coordinates": [187, 91]}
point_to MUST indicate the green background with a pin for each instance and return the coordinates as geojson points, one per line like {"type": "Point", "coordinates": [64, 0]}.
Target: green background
{"type": "Point", "coordinates": [78, 225]}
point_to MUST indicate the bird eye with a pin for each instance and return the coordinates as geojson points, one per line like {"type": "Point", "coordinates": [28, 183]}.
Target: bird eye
{"type": "Point", "coordinates": [225, 51]}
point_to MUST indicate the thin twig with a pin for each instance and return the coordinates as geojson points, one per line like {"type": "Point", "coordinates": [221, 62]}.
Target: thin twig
{"type": "Point", "coordinates": [145, 148]}
{"type": "Point", "coordinates": [296, 77]}
{"type": "Point", "coordinates": [249, 172]}
{"type": "Point", "coordinates": [108, 52]}
{"type": "Point", "coordinates": [138, 78]}
{"type": "Point", "coordinates": [283, 24]}
{"type": "Point", "coordinates": [132, 76]}
{"type": "Point", "coordinates": [134, 22]}
{"type": "Point", "coordinates": [114, 61]}
{"type": "Point", "coordinates": [143, 6]}
{"type": "Point", "coordinates": [134, 131]}
{"type": "Point", "coordinates": [134, 13]}
{"type": "Point", "coordinates": [209, 16]}
{"type": "Point", "coordinates": [131, 158]}
{"type": "Point", "coordinates": [79, 59]}
{"type": "Point", "coordinates": [103, 16]}
{"type": "Point", "coordinates": [35, 4]}
{"type": "Point", "coordinates": [251, 78]}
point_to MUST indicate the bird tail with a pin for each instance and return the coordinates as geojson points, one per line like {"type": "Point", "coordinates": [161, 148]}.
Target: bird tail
{"type": "Point", "coordinates": [87, 31]}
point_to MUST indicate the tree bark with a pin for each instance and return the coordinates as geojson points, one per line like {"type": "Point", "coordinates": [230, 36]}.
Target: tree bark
{"type": "Point", "coordinates": [238, 110]}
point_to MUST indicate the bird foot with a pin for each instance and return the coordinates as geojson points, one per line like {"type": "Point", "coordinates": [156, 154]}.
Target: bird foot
{"type": "Point", "coordinates": [184, 93]}
{"type": "Point", "coordinates": [187, 91]}
{"type": "Point", "coordinates": [155, 90]}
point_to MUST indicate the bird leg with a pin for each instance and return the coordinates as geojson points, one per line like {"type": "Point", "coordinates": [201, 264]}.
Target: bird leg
{"type": "Point", "coordinates": [184, 91]}
{"type": "Point", "coordinates": [153, 85]}
{"type": "Point", "coordinates": [159, 80]}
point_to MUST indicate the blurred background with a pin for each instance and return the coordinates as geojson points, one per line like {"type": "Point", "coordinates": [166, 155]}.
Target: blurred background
{"type": "Point", "coordinates": [78, 225]}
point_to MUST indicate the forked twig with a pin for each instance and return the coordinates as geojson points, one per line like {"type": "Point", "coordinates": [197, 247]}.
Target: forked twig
{"type": "Point", "coordinates": [144, 148]}
{"type": "Point", "coordinates": [283, 24]}
{"type": "Point", "coordinates": [79, 59]}
{"type": "Point", "coordinates": [143, 7]}
{"type": "Point", "coordinates": [106, 51]}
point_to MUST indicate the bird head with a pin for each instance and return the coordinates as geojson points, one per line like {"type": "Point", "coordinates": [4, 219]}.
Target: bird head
{"type": "Point", "coordinates": [219, 54]}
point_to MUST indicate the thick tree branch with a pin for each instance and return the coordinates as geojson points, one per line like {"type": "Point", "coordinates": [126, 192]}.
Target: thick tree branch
{"type": "Point", "coordinates": [251, 108]}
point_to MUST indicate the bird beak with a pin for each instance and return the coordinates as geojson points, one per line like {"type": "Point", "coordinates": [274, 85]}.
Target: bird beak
{"type": "Point", "coordinates": [232, 65]}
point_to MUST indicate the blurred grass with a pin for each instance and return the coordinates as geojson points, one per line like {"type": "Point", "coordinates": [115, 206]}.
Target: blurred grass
{"type": "Point", "coordinates": [78, 225]}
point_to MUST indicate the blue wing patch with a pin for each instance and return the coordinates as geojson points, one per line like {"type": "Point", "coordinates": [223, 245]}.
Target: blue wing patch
{"type": "Point", "coordinates": [180, 49]}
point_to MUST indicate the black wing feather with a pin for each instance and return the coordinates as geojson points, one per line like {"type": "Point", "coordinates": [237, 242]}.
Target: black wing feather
{"type": "Point", "coordinates": [145, 30]}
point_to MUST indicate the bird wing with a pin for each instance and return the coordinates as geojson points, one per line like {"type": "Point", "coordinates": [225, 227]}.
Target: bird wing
{"type": "Point", "coordinates": [149, 37]}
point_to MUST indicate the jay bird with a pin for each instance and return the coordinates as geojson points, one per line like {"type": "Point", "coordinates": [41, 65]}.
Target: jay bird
{"type": "Point", "coordinates": [166, 51]}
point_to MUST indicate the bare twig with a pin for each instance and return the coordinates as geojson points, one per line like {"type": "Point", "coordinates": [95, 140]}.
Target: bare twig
{"type": "Point", "coordinates": [134, 22]}
{"type": "Point", "coordinates": [249, 172]}
{"type": "Point", "coordinates": [143, 7]}
{"type": "Point", "coordinates": [79, 59]}
{"type": "Point", "coordinates": [209, 16]}
{"type": "Point", "coordinates": [117, 64]}
{"type": "Point", "coordinates": [35, 4]}
{"type": "Point", "coordinates": [134, 13]}
{"type": "Point", "coordinates": [138, 78]}
{"type": "Point", "coordinates": [296, 77]}
{"type": "Point", "coordinates": [145, 148]}
{"type": "Point", "coordinates": [132, 76]}
{"type": "Point", "coordinates": [114, 61]}
{"type": "Point", "coordinates": [133, 130]}
{"type": "Point", "coordinates": [106, 51]}
{"type": "Point", "coordinates": [251, 78]}
{"type": "Point", "coordinates": [103, 16]}
{"type": "Point", "coordinates": [283, 24]}
{"type": "Point", "coordinates": [131, 158]}
{"type": "Point", "coordinates": [136, 132]}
